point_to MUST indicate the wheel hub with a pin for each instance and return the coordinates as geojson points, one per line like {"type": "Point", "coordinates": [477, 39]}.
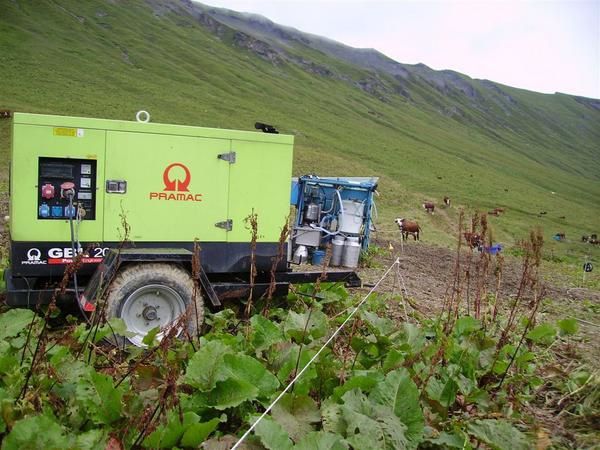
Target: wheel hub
{"type": "Point", "coordinates": [150, 313]}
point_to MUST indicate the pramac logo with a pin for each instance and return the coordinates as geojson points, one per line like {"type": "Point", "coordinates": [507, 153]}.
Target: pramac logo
{"type": "Point", "coordinates": [176, 178]}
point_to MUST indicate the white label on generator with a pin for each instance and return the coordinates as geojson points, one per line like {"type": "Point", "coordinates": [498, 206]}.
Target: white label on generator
{"type": "Point", "coordinates": [86, 182]}
{"type": "Point", "coordinates": [86, 169]}
{"type": "Point", "coordinates": [84, 195]}
{"type": "Point", "coordinates": [80, 132]}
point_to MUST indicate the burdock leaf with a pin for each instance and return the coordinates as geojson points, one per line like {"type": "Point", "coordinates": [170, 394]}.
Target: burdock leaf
{"type": "Point", "coordinates": [499, 434]}
{"type": "Point", "coordinates": [272, 435]}
{"type": "Point", "coordinates": [400, 393]}
{"type": "Point", "coordinates": [296, 414]}
{"type": "Point", "coordinates": [14, 321]}
{"type": "Point", "coordinates": [205, 364]}
{"type": "Point", "coordinates": [322, 440]}
{"type": "Point", "coordinates": [100, 398]}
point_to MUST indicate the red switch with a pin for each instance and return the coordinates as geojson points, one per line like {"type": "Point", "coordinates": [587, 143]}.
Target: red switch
{"type": "Point", "coordinates": [48, 191]}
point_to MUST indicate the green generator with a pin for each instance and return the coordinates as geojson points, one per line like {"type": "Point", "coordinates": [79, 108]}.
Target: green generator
{"type": "Point", "coordinates": [131, 199]}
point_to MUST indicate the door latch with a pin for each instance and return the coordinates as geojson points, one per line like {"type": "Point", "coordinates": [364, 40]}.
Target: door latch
{"type": "Point", "coordinates": [229, 157]}
{"type": "Point", "coordinates": [227, 225]}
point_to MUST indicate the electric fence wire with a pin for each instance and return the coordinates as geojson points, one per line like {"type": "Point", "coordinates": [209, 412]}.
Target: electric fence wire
{"type": "Point", "coordinates": [299, 374]}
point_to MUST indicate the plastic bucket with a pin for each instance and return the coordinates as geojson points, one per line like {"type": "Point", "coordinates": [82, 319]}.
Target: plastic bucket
{"type": "Point", "coordinates": [317, 257]}
{"type": "Point", "coordinates": [351, 219]}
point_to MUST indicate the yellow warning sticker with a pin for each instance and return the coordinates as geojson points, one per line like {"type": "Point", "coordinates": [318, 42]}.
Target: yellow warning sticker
{"type": "Point", "coordinates": [72, 132]}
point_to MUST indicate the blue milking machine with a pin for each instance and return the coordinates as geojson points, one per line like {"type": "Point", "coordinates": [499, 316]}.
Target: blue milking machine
{"type": "Point", "coordinates": [336, 211]}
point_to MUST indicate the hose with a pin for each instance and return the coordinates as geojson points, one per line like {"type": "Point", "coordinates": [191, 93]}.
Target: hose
{"type": "Point", "coordinates": [70, 194]}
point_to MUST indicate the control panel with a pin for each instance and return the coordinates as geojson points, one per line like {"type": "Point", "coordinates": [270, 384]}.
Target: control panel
{"type": "Point", "coordinates": [63, 179]}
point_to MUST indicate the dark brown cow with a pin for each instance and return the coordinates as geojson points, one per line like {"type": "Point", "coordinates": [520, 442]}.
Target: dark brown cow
{"type": "Point", "coordinates": [408, 226]}
{"type": "Point", "coordinates": [473, 239]}
{"type": "Point", "coordinates": [499, 210]}
{"type": "Point", "coordinates": [5, 114]}
{"type": "Point", "coordinates": [447, 201]}
{"type": "Point", "coordinates": [429, 207]}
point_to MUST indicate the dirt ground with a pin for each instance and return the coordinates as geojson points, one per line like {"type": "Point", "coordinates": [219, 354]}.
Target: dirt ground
{"type": "Point", "coordinates": [427, 275]}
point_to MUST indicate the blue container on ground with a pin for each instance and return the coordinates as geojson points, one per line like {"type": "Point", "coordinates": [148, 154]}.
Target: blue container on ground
{"type": "Point", "coordinates": [317, 257]}
{"type": "Point", "coordinates": [494, 249]}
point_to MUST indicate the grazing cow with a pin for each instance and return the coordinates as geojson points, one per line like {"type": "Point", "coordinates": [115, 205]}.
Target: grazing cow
{"type": "Point", "coordinates": [5, 114]}
{"type": "Point", "coordinates": [429, 207]}
{"type": "Point", "coordinates": [499, 210]}
{"type": "Point", "coordinates": [542, 213]}
{"type": "Point", "coordinates": [562, 217]}
{"type": "Point", "coordinates": [408, 226]}
{"type": "Point", "coordinates": [494, 213]}
{"type": "Point", "coordinates": [447, 201]}
{"type": "Point", "coordinates": [473, 239]}
{"type": "Point", "coordinates": [585, 238]}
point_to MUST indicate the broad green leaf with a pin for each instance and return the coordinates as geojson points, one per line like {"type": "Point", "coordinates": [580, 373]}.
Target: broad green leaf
{"type": "Point", "coordinates": [393, 359]}
{"type": "Point", "coordinates": [115, 325]}
{"type": "Point", "coordinates": [414, 337]}
{"type": "Point", "coordinates": [248, 369]}
{"type": "Point", "coordinates": [91, 440]}
{"type": "Point", "coordinates": [452, 440]}
{"type": "Point", "coordinates": [205, 364]}
{"type": "Point", "coordinates": [15, 321]}
{"type": "Point", "coordinates": [333, 420]}
{"type": "Point", "coordinates": [365, 382]}
{"type": "Point", "coordinates": [371, 425]}
{"type": "Point", "coordinates": [198, 432]}
{"type": "Point", "coordinates": [100, 398]}
{"type": "Point", "coordinates": [543, 334]}
{"type": "Point", "coordinates": [315, 324]}
{"type": "Point", "coordinates": [322, 440]}
{"type": "Point", "coordinates": [382, 325]}
{"type": "Point", "coordinates": [231, 392]}
{"type": "Point", "coordinates": [36, 432]}
{"type": "Point", "coordinates": [264, 333]}
{"type": "Point", "coordinates": [400, 393]}
{"type": "Point", "coordinates": [466, 325]}
{"type": "Point", "coordinates": [442, 390]}
{"type": "Point", "coordinates": [303, 385]}
{"type": "Point", "coordinates": [150, 338]}
{"type": "Point", "coordinates": [272, 435]}
{"type": "Point", "coordinates": [568, 326]}
{"type": "Point", "coordinates": [169, 434]}
{"type": "Point", "coordinates": [499, 434]}
{"type": "Point", "coordinates": [6, 403]}
{"type": "Point", "coordinates": [296, 414]}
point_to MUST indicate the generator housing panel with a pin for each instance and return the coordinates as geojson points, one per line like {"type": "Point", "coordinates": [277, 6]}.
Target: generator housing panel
{"type": "Point", "coordinates": [56, 177]}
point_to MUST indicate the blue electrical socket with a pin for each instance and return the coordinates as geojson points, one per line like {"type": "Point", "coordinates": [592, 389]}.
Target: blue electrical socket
{"type": "Point", "coordinates": [70, 211]}
{"type": "Point", "coordinates": [44, 210]}
{"type": "Point", "coordinates": [57, 211]}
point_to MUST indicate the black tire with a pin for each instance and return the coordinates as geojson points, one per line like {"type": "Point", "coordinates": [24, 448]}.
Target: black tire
{"type": "Point", "coordinates": [138, 292]}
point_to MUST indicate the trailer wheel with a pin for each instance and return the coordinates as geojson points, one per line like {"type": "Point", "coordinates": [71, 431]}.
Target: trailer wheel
{"type": "Point", "coordinates": [149, 295]}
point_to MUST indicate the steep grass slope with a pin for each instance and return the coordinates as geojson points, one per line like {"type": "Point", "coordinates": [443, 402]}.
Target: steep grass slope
{"type": "Point", "coordinates": [426, 134]}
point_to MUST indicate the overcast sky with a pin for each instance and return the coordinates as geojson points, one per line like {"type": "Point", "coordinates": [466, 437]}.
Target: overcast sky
{"type": "Point", "coordinates": [544, 46]}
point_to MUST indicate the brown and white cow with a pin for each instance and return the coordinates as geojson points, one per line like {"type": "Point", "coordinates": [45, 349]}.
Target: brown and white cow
{"type": "Point", "coordinates": [473, 239]}
{"type": "Point", "coordinates": [429, 207]}
{"type": "Point", "coordinates": [408, 226]}
{"type": "Point", "coordinates": [447, 201]}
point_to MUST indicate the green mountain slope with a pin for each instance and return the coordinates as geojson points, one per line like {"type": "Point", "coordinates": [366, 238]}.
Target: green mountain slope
{"type": "Point", "coordinates": [354, 111]}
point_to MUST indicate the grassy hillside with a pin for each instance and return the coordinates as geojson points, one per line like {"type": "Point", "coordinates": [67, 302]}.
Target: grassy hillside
{"type": "Point", "coordinates": [426, 134]}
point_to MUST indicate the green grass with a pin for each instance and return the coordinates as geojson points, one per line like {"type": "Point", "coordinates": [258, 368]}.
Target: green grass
{"type": "Point", "coordinates": [69, 57]}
